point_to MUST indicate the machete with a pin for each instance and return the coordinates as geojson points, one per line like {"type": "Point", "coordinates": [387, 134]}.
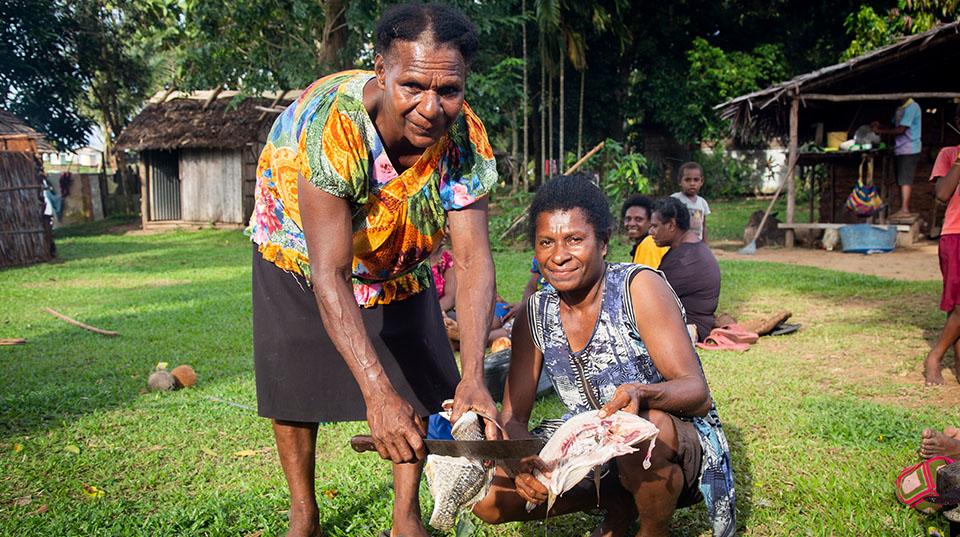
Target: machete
{"type": "Point", "coordinates": [473, 449]}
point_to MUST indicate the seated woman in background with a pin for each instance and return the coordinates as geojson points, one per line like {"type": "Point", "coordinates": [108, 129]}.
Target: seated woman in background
{"type": "Point", "coordinates": [689, 265]}
{"type": "Point", "coordinates": [611, 336]}
{"type": "Point", "coordinates": [445, 280]}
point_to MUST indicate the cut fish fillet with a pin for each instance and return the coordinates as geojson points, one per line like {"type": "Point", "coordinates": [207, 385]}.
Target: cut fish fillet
{"type": "Point", "coordinates": [585, 442]}
{"type": "Point", "coordinates": [457, 483]}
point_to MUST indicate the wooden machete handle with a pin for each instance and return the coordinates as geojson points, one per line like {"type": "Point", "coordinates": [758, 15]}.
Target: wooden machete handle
{"type": "Point", "coordinates": [362, 443]}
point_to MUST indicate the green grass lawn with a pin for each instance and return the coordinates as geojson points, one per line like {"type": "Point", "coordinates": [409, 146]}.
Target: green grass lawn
{"type": "Point", "coordinates": [820, 422]}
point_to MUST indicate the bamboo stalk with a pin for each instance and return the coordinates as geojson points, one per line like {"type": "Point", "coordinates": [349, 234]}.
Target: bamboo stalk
{"type": "Point", "coordinates": [12, 341]}
{"type": "Point", "coordinates": [577, 164]}
{"type": "Point", "coordinates": [77, 323]}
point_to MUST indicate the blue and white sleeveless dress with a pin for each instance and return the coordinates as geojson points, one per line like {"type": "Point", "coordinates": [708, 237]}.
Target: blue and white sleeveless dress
{"type": "Point", "coordinates": [616, 355]}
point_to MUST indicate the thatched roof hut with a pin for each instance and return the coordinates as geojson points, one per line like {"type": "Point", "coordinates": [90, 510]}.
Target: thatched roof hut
{"type": "Point", "coordinates": [842, 97]}
{"type": "Point", "coordinates": [25, 235]}
{"type": "Point", "coordinates": [15, 135]}
{"type": "Point", "coordinates": [198, 154]}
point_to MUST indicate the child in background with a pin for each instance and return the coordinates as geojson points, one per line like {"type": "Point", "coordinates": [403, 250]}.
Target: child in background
{"type": "Point", "coordinates": [691, 181]}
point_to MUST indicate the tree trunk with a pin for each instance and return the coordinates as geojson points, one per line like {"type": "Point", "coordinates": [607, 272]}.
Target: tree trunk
{"type": "Point", "coordinates": [333, 37]}
{"type": "Point", "coordinates": [514, 164]}
{"type": "Point", "coordinates": [583, 78]}
{"type": "Point", "coordinates": [526, 102]}
{"type": "Point", "coordinates": [543, 117]}
{"type": "Point", "coordinates": [550, 137]}
{"type": "Point", "coordinates": [563, 54]}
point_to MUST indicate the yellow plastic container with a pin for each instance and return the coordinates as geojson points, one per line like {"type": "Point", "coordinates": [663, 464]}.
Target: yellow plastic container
{"type": "Point", "coordinates": [834, 139]}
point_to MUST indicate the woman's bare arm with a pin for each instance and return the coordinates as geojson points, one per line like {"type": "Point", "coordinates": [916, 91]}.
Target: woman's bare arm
{"type": "Point", "coordinates": [328, 231]}
{"type": "Point", "coordinates": [473, 263]}
{"type": "Point", "coordinates": [685, 391]}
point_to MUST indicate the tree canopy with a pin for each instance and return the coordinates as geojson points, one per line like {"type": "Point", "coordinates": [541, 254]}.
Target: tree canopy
{"type": "Point", "coordinates": [601, 69]}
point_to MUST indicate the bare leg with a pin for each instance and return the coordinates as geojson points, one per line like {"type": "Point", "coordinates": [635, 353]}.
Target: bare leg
{"type": "Point", "coordinates": [949, 336]}
{"type": "Point", "coordinates": [657, 489]}
{"type": "Point", "coordinates": [905, 198]}
{"type": "Point", "coordinates": [406, 502]}
{"type": "Point", "coordinates": [956, 359]}
{"type": "Point", "coordinates": [296, 445]}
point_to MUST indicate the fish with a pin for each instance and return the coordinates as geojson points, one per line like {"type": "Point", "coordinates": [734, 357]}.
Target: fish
{"type": "Point", "coordinates": [585, 442]}
{"type": "Point", "coordinates": [457, 483]}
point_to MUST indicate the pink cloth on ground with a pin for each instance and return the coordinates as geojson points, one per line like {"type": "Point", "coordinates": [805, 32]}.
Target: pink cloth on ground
{"type": "Point", "coordinates": [951, 219]}
{"type": "Point", "coordinates": [446, 261]}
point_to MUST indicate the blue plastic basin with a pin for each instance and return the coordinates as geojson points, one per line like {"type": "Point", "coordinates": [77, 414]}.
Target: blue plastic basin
{"type": "Point", "coordinates": [867, 238]}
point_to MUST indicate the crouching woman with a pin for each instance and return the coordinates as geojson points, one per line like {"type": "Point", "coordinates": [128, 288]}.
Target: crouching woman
{"type": "Point", "coordinates": [612, 337]}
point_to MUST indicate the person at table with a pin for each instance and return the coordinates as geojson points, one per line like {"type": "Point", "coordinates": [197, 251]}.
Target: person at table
{"type": "Point", "coordinates": [355, 184]}
{"type": "Point", "coordinates": [611, 336]}
{"type": "Point", "coordinates": [906, 130]}
{"type": "Point", "coordinates": [689, 266]}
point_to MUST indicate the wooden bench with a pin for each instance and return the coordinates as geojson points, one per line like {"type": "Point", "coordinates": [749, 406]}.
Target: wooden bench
{"type": "Point", "coordinates": [907, 234]}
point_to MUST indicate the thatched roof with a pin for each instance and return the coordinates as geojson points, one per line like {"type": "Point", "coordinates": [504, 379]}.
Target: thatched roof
{"type": "Point", "coordinates": [914, 63]}
{"type": "Point", "coordinates": [12, 126]}
{"type": "Point", "coordinates": [201, 120]}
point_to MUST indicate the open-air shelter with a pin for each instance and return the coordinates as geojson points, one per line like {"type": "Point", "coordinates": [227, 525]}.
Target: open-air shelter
{"type": "Point", "coordinates": [843, 97]}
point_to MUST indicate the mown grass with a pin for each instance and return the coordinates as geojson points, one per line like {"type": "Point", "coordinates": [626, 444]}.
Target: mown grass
{"type": "Point", "coordinates": [820, 422]}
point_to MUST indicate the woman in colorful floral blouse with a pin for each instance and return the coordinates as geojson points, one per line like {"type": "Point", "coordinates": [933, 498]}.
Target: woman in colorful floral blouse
{"type": "Point", "coordinates": [354, 187]}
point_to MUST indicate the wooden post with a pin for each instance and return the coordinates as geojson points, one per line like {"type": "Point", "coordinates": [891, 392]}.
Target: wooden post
{"type": "Point", "coordinates": [144, 191]}
{"type": "Point", "coordinates": [791, 166]}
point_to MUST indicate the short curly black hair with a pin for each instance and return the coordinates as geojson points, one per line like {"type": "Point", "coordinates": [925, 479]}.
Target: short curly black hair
{"type": "Point", "coordinates": [637, 200]}
{"type": "Point", "coordinates": [568, 192]}
{"type": "Point", "coordinates": [447, 25]}
{"type": "Point", "coordinates": [673, 209]}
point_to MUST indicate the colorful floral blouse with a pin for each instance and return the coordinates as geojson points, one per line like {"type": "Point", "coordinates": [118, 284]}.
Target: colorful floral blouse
{"type": "Point", "coordinates": [398, 219]}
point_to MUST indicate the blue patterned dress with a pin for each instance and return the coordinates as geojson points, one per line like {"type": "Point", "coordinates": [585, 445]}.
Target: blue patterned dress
{"type": "Point", "coordinates": [616, 355]}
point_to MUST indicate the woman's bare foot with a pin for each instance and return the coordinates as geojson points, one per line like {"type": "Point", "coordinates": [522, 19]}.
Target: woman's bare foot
{"type": "Point", "coordinates": [304, 524]}
{"type": "Point", "coordinates": [931, 371]}
{"type": "Point", "coordinates": [934, 443]}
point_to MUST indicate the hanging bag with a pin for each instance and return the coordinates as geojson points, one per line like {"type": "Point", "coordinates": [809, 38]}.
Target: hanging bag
{"type": "Point", "coordinates": [864, 200]}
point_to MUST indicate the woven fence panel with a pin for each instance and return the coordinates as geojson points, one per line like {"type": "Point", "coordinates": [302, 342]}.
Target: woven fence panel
{"type": "Point", "coordinates": [24, 238]}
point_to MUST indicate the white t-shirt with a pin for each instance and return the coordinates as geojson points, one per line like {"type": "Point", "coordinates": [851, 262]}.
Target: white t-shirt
{"type": "Point", "coordinates": [699, 209]}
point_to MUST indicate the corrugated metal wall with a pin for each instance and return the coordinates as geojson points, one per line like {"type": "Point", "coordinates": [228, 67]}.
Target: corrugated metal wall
{"type": "Point", "coordinates": [164, 176]}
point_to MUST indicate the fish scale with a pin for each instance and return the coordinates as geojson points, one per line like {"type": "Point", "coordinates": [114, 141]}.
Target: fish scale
{"type": "Point", "coordinates": [456, 483]}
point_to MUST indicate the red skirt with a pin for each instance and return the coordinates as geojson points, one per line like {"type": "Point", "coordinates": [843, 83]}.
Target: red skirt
{"type": "Point", "coordinates": [950, 269]}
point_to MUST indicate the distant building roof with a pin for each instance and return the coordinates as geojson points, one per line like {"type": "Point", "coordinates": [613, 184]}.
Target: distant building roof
{"type": "Point", "coordinates": [201, 120]}
{"type": "Point", "coordinates": [12, 126]}
{"type": "Point", "coordinates": [914, 63]}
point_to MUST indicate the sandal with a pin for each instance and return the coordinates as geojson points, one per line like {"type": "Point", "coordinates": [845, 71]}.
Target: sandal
{"type": "Point", "coordinates": [785, 329]}
{"type": "Point", "coordinates": [720, 342]}
{"type": "Point", "coordinates": [737, 333]}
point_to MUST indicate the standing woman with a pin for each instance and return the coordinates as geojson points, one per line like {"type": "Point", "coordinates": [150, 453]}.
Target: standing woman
{"type": "Point", "coordinates": [354, 187]}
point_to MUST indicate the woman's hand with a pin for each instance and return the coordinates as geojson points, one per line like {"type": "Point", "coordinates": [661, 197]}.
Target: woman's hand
{"type": "Point", "coordinates": [473, 395]}
{"type": "Point", "coordinates": [527, 485]}
{"type": "Point", "coordinates": [395, 428]}
{"type": "Point", "coordinates": [627, 398]}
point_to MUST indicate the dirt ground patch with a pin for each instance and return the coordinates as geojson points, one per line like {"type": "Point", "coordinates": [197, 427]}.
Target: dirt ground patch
{"type": "Point", "coordinates": [918, 263]}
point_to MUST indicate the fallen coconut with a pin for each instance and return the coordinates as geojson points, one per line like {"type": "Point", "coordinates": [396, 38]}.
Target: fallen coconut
{"type": "Point", "coordinates": [161, 381]}
{"type": "Point", "coordinates": [184, 375]}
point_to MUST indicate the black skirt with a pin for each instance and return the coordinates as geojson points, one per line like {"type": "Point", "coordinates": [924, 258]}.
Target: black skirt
{"type": "Point", "coordinates": [300, 376]}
